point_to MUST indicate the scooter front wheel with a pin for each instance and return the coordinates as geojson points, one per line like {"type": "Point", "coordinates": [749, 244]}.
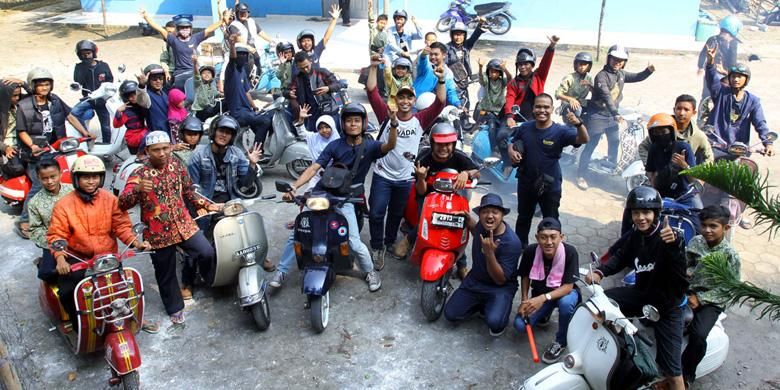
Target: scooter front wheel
{"type": "Point", "coordinates": [261, 313]}
{"type": "Point", "coordinates": [320, 312]}
{"type": "Point", "coordinates": [432, 299]}
{"type": "Point", "coordinates": [131, 381]}
{"type": "Point", "coordinates": [499, 24]}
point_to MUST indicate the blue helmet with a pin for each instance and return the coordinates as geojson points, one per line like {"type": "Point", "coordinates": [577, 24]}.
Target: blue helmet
{"type": "Point", "coordinates": [731, 24]}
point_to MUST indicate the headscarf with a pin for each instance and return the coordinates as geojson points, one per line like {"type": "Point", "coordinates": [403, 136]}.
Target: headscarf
{"type": "Point", "coordinates": [176, 113]}
{"type": "Point", "coordinates": [316, 142]}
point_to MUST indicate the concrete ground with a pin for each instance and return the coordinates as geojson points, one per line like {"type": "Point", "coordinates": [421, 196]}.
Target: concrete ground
{"type": "Point", "coordinates": [378, 340]}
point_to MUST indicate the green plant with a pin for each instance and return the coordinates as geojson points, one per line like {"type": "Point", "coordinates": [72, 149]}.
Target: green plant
{"type": "Point", "coordinates": [752, 188]}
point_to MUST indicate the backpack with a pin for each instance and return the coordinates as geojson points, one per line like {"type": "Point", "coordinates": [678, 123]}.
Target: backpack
{"type": "Point", "coordinates": [337, 178]}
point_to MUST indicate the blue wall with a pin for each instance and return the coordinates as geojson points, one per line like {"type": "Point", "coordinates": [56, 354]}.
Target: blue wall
{"type": "Point", "coordinates": [675, 17]}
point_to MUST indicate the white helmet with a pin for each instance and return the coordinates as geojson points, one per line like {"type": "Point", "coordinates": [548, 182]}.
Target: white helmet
{"type": "Point", "coordinates": [618, 52]}
{"type": "Point", "coordinates": [424, 100]}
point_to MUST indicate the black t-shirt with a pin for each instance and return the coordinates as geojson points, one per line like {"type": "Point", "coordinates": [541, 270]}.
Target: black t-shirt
{"type": "Point", "coordinates": [539, 287]}
{"type": "Point", "coordinates": [221, 192]}
{"type": "Point", "coordinates": [459, 161]}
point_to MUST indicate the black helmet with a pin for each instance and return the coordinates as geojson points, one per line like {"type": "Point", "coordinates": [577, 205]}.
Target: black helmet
{"type": "Point", "coordinates": [126, 88]}
{"type": "Point", "coordinates": [525, 55]}
{"type": "Point", "coordinates": [353, 109]}
{"type": "Point", "coordinates": [585, 58]}
{"type": "Point", "coordinates": [153, 69]}
{"type": "Point", "coordinates": [241, 7]}
{"type": "Point", "coordinates": [495, 64]}
{"type": "Point", "coordinates": [283, 46]}
{"type": "Point", "coordinates": [644, 198]}
{"type": "Point", "coordinates": [224, 121]}
{"type": "Point", "coordinates": [400, 14]}
{"type": "Point", "coordinates": [182, 22]}
{"type": "Point", "coordinates": [303, 34]}
{"type": "Point", "coordinates": [209, 68]}
{"type": "Point", "coordinates": [741, 68]}
{"type": "Point", "coordinates": [86, 45]}
{"type": "Point", "coordinates": [192, 123]}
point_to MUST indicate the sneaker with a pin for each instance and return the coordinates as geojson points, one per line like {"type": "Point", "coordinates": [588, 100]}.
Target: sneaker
{"type": "Point", "coordinates": [553, 353]}
{"type": "Point", "coordinates": [497, 334]}
{"type": "Point", "coordinates": [186, 293]}
{"type": "Point", "coordinates": [277, 280]}
{"type": "Point", "coordinates": [268, 266]}
{"type": "Point", "coordinates": [378, 257]}
{"type": "Point", "coordinates": [401, 248]}
{"type": "Point", "coordinates": [178, 317]}
{"type": "Point", "coordinates": [374, 281]}
{"type": "Point", "coordinates": [582, 183]}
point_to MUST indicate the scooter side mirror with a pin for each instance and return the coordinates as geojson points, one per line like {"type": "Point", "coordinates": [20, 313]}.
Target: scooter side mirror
{"type": "Point", "coordinates": [121, 68]}
{"type": "Point", "coordinates": [516, 109]}
{"type": "Point", "coordinates": [59, 245]}
{"type": "Point", "coordinates": [771, 136]}
{"type": "Point", "coordinates": [410, 156]}
{"type": "Point", "coordinates": [651, 313]}
{"type": "Point", "coordinates": [709, 129]}
{"type": "Point", "coordinates": [698, 186]}
{"type": "Point", "coordinates": [139, 228]}
{"type": "Point", "coordinates": [283, 186]}
{"type": "Point", "coordinates": [490, 162]}
{"type": "Point", "coordinates": [75, 87]}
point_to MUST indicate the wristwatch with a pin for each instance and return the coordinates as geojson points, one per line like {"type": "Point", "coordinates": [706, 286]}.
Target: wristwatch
{"type": "Point", "coordinates": [548, 297]}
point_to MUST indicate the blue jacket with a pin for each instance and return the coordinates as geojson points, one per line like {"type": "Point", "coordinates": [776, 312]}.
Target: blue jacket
{"type": "Point", "coordinates": [203, 170]}
{"type": "Point", "coordinates": [720, 116]}
{"type": "Point", "coordinates": [426, 82]}
{"type": "Point", "coordinates": [393, 46]}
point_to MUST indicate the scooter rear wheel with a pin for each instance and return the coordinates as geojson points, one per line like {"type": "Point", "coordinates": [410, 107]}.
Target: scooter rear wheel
{"type": "Point", "coordinates": [296, 167]}
{"type": "Point", "coordinates": [261, 313]}
{"type": "Point", "coordinates": [444, 24]}
{"type": "Point", "coordinates": [131, 381]}
{"type": "Point", "coordinates": [499, 24]}
{"type": "Point", "coordinates": [433, 297]}
{"type": "Point", "coordinates": [320, 312]}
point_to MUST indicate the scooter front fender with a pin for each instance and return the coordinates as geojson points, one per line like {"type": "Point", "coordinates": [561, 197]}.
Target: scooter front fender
{"type": "Point", "coordinates": [251, 285]}
{"type": "Point", "coordinates": [555, 377]}
{"type": "Point", "coordinates": [316, 280]}
{"type": "Point", "coordinates": [435, 263]}
{"type": "Point", "coordinates": [122, 352]}
{"type": "Point", "coordinates": [636, 168]}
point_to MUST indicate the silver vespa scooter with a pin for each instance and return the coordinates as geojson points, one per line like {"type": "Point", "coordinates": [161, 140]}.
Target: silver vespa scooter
{"type": "Point", "coordinates": [241, 246]}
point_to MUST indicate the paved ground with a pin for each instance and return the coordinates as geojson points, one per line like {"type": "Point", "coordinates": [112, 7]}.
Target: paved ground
{"type": "Point", "coordinates": [376, 340]}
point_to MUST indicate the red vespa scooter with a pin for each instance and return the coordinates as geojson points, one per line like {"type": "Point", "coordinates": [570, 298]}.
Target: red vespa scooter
{"type": "Point", "coordinates": [14, 190]}
{"type": "Point", "coordinates": [442, 236]}
{"type": "Point", "coordinates": [110, 303]}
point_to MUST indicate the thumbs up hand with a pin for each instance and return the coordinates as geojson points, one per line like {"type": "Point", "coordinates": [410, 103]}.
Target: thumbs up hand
{"type": "Point", "coordinates": [679, 159]}
{"type": "Point", "coordinates": [667, 233]}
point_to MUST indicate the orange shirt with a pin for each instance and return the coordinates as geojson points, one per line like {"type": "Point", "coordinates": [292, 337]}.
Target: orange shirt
{"type": "Point", "coordinates": [90, 229]}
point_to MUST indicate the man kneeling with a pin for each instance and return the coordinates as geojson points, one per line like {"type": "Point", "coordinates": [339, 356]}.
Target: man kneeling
{"type": "Point", "coordinates": [491, 285]}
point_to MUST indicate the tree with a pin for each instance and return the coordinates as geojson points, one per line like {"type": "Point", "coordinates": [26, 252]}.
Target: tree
{"type": "Point", "coordinates": [741, 182]}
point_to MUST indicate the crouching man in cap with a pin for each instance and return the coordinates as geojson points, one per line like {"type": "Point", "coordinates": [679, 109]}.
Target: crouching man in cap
{"type": "Point", "coordinates": [490, 286]}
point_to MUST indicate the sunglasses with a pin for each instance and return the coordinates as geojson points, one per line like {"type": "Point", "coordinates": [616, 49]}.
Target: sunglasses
{"type": "Point", "coordinates": [738, 69]}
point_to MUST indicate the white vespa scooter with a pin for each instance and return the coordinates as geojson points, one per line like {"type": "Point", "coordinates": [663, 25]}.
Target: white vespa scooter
{"type": "Point", "coordinates": [110, 93]}
{"type": "Point", "coordinates": [595, 336]}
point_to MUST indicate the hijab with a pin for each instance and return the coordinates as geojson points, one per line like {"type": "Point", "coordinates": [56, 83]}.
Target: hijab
{"type": "Point", "coordinates": [176, 113]}
{"type": "Point", "coordinates": [316, 142]}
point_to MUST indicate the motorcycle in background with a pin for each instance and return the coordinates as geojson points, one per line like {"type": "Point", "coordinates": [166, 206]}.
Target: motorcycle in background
{"type": "Point", "coordinates": [321, 243]}
{"type": "Point", "coordinates": [110, 303]}
{"type": "Point", "coordinates": [499, 18]}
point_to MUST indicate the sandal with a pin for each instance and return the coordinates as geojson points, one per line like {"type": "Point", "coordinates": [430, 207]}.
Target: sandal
{"type": "Point", "coordinates": [23, 232]}
{"type": "Point", "coordinates": [178, 317]}
{"type": "Point", "coordinates": [150, 327]}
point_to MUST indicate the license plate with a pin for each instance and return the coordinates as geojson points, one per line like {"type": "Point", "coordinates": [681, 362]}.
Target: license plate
{"type": "Point", "coordinates": [448, 220]}
{"type": "Point", "coordinates": [251, 249]}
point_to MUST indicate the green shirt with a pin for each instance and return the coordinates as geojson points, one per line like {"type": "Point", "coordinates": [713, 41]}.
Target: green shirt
{"type": "Point", "coordinates": [284, 74]}
{"type": "Point", "coordinates": [495, 94]}
{"type": "Point", "coordinates": [698, 248]}
{"type": "Point", "coordinates": [575, 86]}
{"type": "Point", "coordinates": [205, 94]}
{"type": "Point", "coordinates": [376, 39]}
{"type": "Point", "coordinates": [39, 207]}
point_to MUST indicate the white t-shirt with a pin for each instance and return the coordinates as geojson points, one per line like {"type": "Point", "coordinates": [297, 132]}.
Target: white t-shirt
{"type": "Point", "coordinates": [394, 166]}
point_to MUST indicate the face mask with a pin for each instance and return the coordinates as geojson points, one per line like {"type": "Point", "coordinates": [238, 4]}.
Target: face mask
{"type": "Point", "coordinates": [86, 61]}
{"type": "Point", "coordinates": [663, 139]}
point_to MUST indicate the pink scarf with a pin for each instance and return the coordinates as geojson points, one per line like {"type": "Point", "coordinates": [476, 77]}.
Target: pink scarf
{"type": "Point", "coordinates": [556, 271]}
{"type": "Point", "coordinates": [176, 113]}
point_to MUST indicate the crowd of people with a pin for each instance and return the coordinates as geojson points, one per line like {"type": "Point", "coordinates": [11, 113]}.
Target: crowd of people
{"type": "Point", "coordinates": [165, 129]}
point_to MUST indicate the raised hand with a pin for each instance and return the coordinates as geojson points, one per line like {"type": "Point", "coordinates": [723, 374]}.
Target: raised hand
{"type": "Point", "coordinates": [420, 171]}
{"type": "Point", "coordinates": [335, 11]}
{"type": "Point", "coordinates": [667, 233]}
{"type": "Point", "coordinates": [303, 112]}
{"type": "Point", "coordinates": [553, 41]}
{"type": "Point", "coordinates": [376, 59]}
{"type": "Point", "coordinates": [439, 72]}
{"type": "Point", "coordinates": [255, 153]}
{"type": "Point", "coordinates": [711, 51]}
{"type": "Point", "coordinates": [650, 67]}
{"type": "Point", "coordinates": [570, 117]}
{"type": "Point", "coordinates": [393, 113]}
{"type": "Point", "coordinates": [481, 62]}
{"type": "Point", "coordinates": [679, 159]}
{"type": "Point", "coordinates": [489, 244]}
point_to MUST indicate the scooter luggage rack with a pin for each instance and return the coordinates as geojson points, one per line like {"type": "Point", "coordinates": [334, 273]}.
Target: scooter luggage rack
{"type": "Point", "coordinates": [98, 297]}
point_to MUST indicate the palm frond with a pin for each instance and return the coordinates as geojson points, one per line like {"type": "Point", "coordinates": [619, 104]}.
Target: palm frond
{"type": "Point", "coordinates": [731, 291]}
{"type": "Point", "coordinates": [743, 183]}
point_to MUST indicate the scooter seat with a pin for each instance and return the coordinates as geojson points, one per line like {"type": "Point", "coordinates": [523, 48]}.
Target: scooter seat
{"type": "Point", "coordinates": [482, 9]}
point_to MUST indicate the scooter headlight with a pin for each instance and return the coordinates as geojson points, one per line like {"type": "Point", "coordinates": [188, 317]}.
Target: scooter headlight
{"type": "Point", "coordinates": [738, 149]}
{"type": "Point", "coordinates": [443, 185]}
{"type": "Point", "coordinates": [69, 145]}
{"type": "Point", "coordinates": [105, 264]}
{"type": "Point", "coordinates": [569, 361]}
{"type": "Point", "coordinates": [233, 208]}
{"type": "Point", "coordinates": [318, 204]}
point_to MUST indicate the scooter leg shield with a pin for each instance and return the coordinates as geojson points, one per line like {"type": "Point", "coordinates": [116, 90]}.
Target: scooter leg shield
{"type": "Point", "coordinates": [122, 352]}
{"type": "Point", "coordinates": [555, 377]}
{"type": "Point", "coordinates": [250, 285]}
{"type": "Point", "coordinates": [296, 151]}
{"type": "Point", "coordinates": [435, 263]}
{"type": "Point", "coordinates": [317, 280]}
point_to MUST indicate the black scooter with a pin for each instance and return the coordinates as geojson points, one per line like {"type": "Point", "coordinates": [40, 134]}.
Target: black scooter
{"type": "Point", "coordinates": [321, 243]}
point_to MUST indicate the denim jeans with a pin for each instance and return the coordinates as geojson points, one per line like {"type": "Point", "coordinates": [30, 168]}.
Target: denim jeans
{"type": "Point", "coordinates": [597, 126]}
{"type": "Point", "coordinates": [565, 305]}
{"type": "Point", "coordinates": [36, 186]}
{"type": "Point", "coordinates": [259, 123]}
{"type": "Point", "coordinates": [386, 196]}
{"type": "Point", "coordinates": [83, 111]}
{"type": "Point", "coordinates": [358, 247]}
{"type": "Point", "coordinates": [496, 306]}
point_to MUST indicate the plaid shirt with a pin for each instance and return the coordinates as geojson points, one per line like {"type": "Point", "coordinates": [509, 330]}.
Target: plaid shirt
{"type": "Point", "coordinates": [40, 207]}
{"type": "Point", "coordinates": [163, 209]}
{"type": "Point", "coordinates": [698, 248]}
